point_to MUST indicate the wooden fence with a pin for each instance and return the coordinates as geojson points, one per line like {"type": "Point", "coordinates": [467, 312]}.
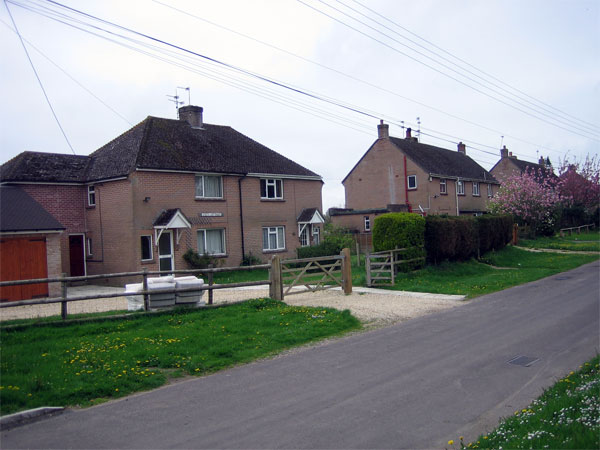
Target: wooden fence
{"type": "Point", "coordinates": [577, 230]}
{"type": "Point", "coordinates": [381, 267]}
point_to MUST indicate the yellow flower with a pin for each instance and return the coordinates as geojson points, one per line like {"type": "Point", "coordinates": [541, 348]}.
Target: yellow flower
{"type": "Point", "coordinates": [450, 442]}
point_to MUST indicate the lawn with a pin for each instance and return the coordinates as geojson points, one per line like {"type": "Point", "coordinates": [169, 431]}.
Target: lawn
{"type": "Point", "coordinates": [565, 416]}
{"type": "Point", "coordinates": [588, 241]}
{"type": "Point", "coordinates": [85, 363]}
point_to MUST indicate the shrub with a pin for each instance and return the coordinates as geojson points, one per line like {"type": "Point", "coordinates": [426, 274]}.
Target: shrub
{"type": "Point", "coordinates": [198, 261]}
{"type": "Point", "coordinates": [250, 260]}
{"type": "Point", "coordinates": [335, 238]}
{"type": "Point", "coordinates": [495, 231]}
{"type": "Point", "coordinates": [401, 230]}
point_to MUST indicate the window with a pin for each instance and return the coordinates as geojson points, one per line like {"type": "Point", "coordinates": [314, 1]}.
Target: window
{"type": "Point", "coordinates": [412, 181]}
{"type": "Point", "coordinates": [146, 246]}
{"type": "Point", "coordinates": [443, 189]}
{"type": "Point", "coordinates": [209, 186]}
{"type": "Point", "coordinates": [304, 236]}
{"type": "Point", "coordinates": [211, 242]}
{"type": "Point", "coordinates": [460, 187]}
{"type": "Point", "coordinates": [367, 223]}
{"type": "Point", "coordinates": [475, 189]}
{"type": "Point", "coordinates": [316, 235]}
{"type": "Point", "coordinates": [273, 238]}
{"type": "Point", "coordinates": [490, 191]}
{"type": "Point", "coordinates": [89, 246]}
{"type": "Point", "coordinates": [271, 188]}
{"type": "Point", "coordinates": [91, 195]}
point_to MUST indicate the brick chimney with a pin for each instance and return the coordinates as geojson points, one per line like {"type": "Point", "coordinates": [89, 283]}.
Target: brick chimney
{"type": "Point", "coordinates": [408, 134]}
{"type": "Point", "coordinates": [192, 115]}
{"type": "Point", "coordinates": [462, 148]}
{"type": "Point", "coordinates": [383, 130]}
{"type": "Point", "coordinates": [542, 161]}
{"type": "Point", "coordinates": [504, 152]}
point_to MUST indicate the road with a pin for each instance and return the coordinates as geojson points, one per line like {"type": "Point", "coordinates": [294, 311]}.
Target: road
{"type": "Point", "coordinates": [412, 385]}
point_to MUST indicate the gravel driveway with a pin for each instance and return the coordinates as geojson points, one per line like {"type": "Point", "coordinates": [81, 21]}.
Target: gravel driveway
{"type": "Point", "coordinates": [374, 307]}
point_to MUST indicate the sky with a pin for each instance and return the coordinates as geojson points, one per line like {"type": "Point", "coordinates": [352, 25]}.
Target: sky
{"type": "Point", "coordinates": [310, 79]}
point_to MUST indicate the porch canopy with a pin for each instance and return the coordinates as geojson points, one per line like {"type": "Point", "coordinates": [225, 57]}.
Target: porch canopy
{"type": "Point", "coordinates": [170, 219]}
{"type": "Point", "coordinates": [309, 216]}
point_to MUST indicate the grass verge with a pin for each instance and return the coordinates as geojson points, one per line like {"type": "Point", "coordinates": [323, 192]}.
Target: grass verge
{"type": "Point", "coordinates": [87, 363]}
{"type": "Point", "coordinates": [565, 416]}
{"type": "Point", "coordinates": [588, 241]}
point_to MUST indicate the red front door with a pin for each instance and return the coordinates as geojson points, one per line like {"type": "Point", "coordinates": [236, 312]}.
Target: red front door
{"type": "Point", "coordinates": [76, 255]}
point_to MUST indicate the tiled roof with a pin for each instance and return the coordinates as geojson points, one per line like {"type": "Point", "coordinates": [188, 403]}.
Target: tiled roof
{"type": "Point", "coordinates": [440, 161]}
{"type": "Point", "coordinates": [20, 212]}
{"type": "Point", "coordinates": [159, 144]}
{"type": "Point", "coordinates": [307, 214]}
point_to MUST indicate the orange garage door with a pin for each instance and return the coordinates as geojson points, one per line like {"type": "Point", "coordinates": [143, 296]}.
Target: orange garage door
{"type": "Point", "coordinates": [23, 259]}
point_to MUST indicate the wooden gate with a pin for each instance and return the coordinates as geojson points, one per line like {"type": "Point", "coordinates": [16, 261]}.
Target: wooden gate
{"type": "Point", "coordinates": [381, 267]}
{"type": "Point", "coordinates": [316, 274]}
{"type": "Point", "coordinates": [22, 259]}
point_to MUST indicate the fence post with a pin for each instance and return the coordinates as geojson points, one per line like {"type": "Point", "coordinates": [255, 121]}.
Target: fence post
{"type": "Point", "coordinates": [210, 283]}
{"type": "Point", "coordinates": [276, 286]}
{"type": "Point", "coordinates": [346, 271]}
{"type": "Point", "coordinates": [368, 268]}
{"type": "Point", "coordinates": [145, 288]}
{"type": "Point", "coordinates": [393, 267]}
{"type": "Point", "coordinates": [515, 239]}
{"type": "Point", "coordinates": [63, 304]}
{"type": "Point", "coordinates": [357, 253]}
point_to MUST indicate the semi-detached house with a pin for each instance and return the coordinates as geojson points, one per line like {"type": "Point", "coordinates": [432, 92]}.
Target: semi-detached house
{"type": "Point", "coordinates": [165, 186]}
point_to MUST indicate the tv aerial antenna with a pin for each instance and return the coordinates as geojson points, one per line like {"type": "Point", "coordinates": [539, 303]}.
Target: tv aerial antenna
{"type": "Point", "coordinates": [175, 99]}
{"type": "Point", "coordinates": [188, 91]}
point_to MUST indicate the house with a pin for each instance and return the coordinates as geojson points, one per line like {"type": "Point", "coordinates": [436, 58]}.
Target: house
{"type": "Point", "coordinates": [509, 165]}
{"type": "Point", "coordinates": [398, 174]}
{"type": "Point", "coordinates": [166, 186]}
{"type": "Point", "coordinates": [29, 245]}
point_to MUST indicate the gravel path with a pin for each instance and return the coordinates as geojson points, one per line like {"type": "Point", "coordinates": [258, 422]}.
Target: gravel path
{"type": "Point", "coordinates": [374, 307]}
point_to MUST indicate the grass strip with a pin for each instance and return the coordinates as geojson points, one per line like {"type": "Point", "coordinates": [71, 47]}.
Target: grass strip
{"type": "Point", "coordinates": [566, 416]}
{"type": "Point", "coordinates": [588, 241]}
{"type": "Point", "coordinates": [87, 363]}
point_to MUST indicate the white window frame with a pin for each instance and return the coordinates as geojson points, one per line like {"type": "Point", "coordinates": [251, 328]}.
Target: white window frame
{"type": "Point", "coordinates": [88, 245]}
{"type": "Point", "coordinates": [271, 182]}
{"type": "Point", "coordinates": [476, 191]}
{"type": "Point", "coordinates": [316, 232]}
{"type": "Point", "coordinates": [304, 237]}
{"type": "Point", "coordinates": [223, 238]}
{"type": "Point", "coordinates": [460, 187]}
{"type": "Point", "coordinates": [200, 180]}
{"type": "Point", "coordinates": [367, 221]}
{"type": "Point", "coordinates": [149, 236]}
{"type": "Point", "coordinates": [408, 183]}
{"type": "Point", "coordinates": [270, 232]}
{"type": "Point", "coordinates": [490, 192]}
{"type": "Point", "coordinates": [443, 186]}
{"type": "Point", "coordinates": [91, 195]}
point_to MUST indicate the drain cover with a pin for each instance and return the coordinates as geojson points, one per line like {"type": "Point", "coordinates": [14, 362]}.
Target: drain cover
{"type": "Point", "coordinates": [562, 278]}
{"type": "Point", "coordinates": [524, 361]}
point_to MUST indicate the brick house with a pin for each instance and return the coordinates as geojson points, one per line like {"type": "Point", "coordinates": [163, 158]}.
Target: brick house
{"type": "Point", "coordinates": [398, 174]}
{"type": "Point", "coordinates": [165, 186]}
{"type": "Point", "coordinates": [510, 165]}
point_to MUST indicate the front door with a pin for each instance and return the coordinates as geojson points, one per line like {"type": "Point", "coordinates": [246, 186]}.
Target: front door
{"type": "Point", "coordinates": [165, 251]}
{"type": "Point", "coordinates": [76, 255]}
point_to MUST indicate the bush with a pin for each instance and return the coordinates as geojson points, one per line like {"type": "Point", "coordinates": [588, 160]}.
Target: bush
{"type": "Point", "coordinates": [198, 261]}
{"type": "Point", "coordinates": [401, 230]}
{"type": "Point", "coordinates": [250, 260]}
{"type": "Point", "coordinates": [495, 231]}
{"type": "Point", "coordinates": [334, 240]}
{"type": "Point", "coordinates": [326, 248]}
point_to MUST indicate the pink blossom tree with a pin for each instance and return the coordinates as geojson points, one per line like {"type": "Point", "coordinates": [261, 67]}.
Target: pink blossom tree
{"type": "Point", "coordinates": [532, 198]}
{"type": "Point", "coordinates": [580, 182]}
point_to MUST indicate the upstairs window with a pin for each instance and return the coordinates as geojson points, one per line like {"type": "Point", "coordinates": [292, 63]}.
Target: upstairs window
{"type": "Point", "coordinates": [271, 188]}
{"type": "Point", "coordinates": [91, 196]}
{"type": "Point", "coordinates": [475, 189]}
{"type": "Point", "coordinates": [460, 187]}
{"type": "Point", "coordinates": [443, 189]}
{"type": "Point", "coordinates": [209, 186]}
{"type": "Point", "coordinates": [412, 181]}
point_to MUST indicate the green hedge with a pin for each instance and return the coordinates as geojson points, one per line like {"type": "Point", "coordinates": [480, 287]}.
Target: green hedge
{"type": "Point", "coordinates": [461, 238]}
{"type": "Point", "coordinates": [325, 248]}
{"type": "Point", "coordinates": [401, 230]}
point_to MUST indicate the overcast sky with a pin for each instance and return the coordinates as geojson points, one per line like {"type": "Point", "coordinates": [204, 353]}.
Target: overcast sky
{"type": "Point", "coordinates": [472, 71]}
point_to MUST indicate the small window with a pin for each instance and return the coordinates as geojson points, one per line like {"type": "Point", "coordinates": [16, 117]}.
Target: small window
{"type": "Point", "coordinates": [146, 246]}
{"type": "Point", "coordinates": [89, 246]}
{"type": "Point", "coordinates": [460, 187]}
{"type": "Point", "coordinates": [316, 235]}
{"type": "Point", "coordinates": [91, 195]}
{"type": "Point", "coordinates": [490, 192]}
{"type": "Point", "coordinates": [304, 236]}
{"type": "Point", "coordinates": [412, 181]}
{"type": "Point", "coordinates": [211, 242]}
{"type": "Point", "coordinates": [209, 186]}
{"type": "Point", "coordinates": [273, 238]}
{"type": "Point", "coordinates": [443, 189]}
{"type": "Point", "coordinates": [367, 223]}
{"type": "Point", "coordinates": [271, 188]}
{"type": "Point", "coordinates": [475, 189]}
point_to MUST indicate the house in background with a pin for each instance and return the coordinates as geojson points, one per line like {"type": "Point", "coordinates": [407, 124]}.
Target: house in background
{"type": "Point", "coordinates": [30, 240]}
{"type": "Point", "coordinates": [398, 174]}
{"type": "Point", "coordinates": [165, 186]}
{"type": "Point", "coordinates": [510, 165]}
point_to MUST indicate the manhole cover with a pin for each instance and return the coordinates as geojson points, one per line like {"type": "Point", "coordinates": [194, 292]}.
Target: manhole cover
{"type": "Point", "coordinates": [562, 278]}
{"type": "Point", "coordinates": [524, 361]}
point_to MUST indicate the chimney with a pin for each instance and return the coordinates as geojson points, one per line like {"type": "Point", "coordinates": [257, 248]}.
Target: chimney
{"type": "Point", "coordinates": [462, 148]}
{"type": "Point", "coordinates": [542, 161]}
{"type": "Point", "coordinates": [192, 115]}
{"type": "Point", "coordinates": [510, 155]}
{"type": "Point", "coordinates": [504, 152]}
{"type": "Point", "coordinates": [408, 134]}
{"type": "Point", "coordinates": [383, 130]}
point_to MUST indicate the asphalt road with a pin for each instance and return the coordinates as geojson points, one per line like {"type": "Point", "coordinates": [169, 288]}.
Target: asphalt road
{"type": "Point", "coordinates": [413, 385]}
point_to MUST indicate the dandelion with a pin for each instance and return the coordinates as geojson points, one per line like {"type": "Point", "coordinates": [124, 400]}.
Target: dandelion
{"type": "Point", "coordinates": [450, 442]}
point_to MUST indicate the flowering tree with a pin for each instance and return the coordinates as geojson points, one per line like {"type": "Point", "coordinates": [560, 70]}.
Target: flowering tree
{"type": "Point", "coordinates": [580, 182]}
{"type": "Point", "coordinates": [533, 199]}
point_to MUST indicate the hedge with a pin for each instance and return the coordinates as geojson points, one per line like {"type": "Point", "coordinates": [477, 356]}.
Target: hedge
{"type": "Point", "coordinates": [401, 230]}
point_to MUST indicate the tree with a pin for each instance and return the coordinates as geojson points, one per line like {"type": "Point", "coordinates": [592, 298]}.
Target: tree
{"type": "Point", "coordinates": [533, 200]}
{"type": "Point", "coordinates": [580, 182]}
